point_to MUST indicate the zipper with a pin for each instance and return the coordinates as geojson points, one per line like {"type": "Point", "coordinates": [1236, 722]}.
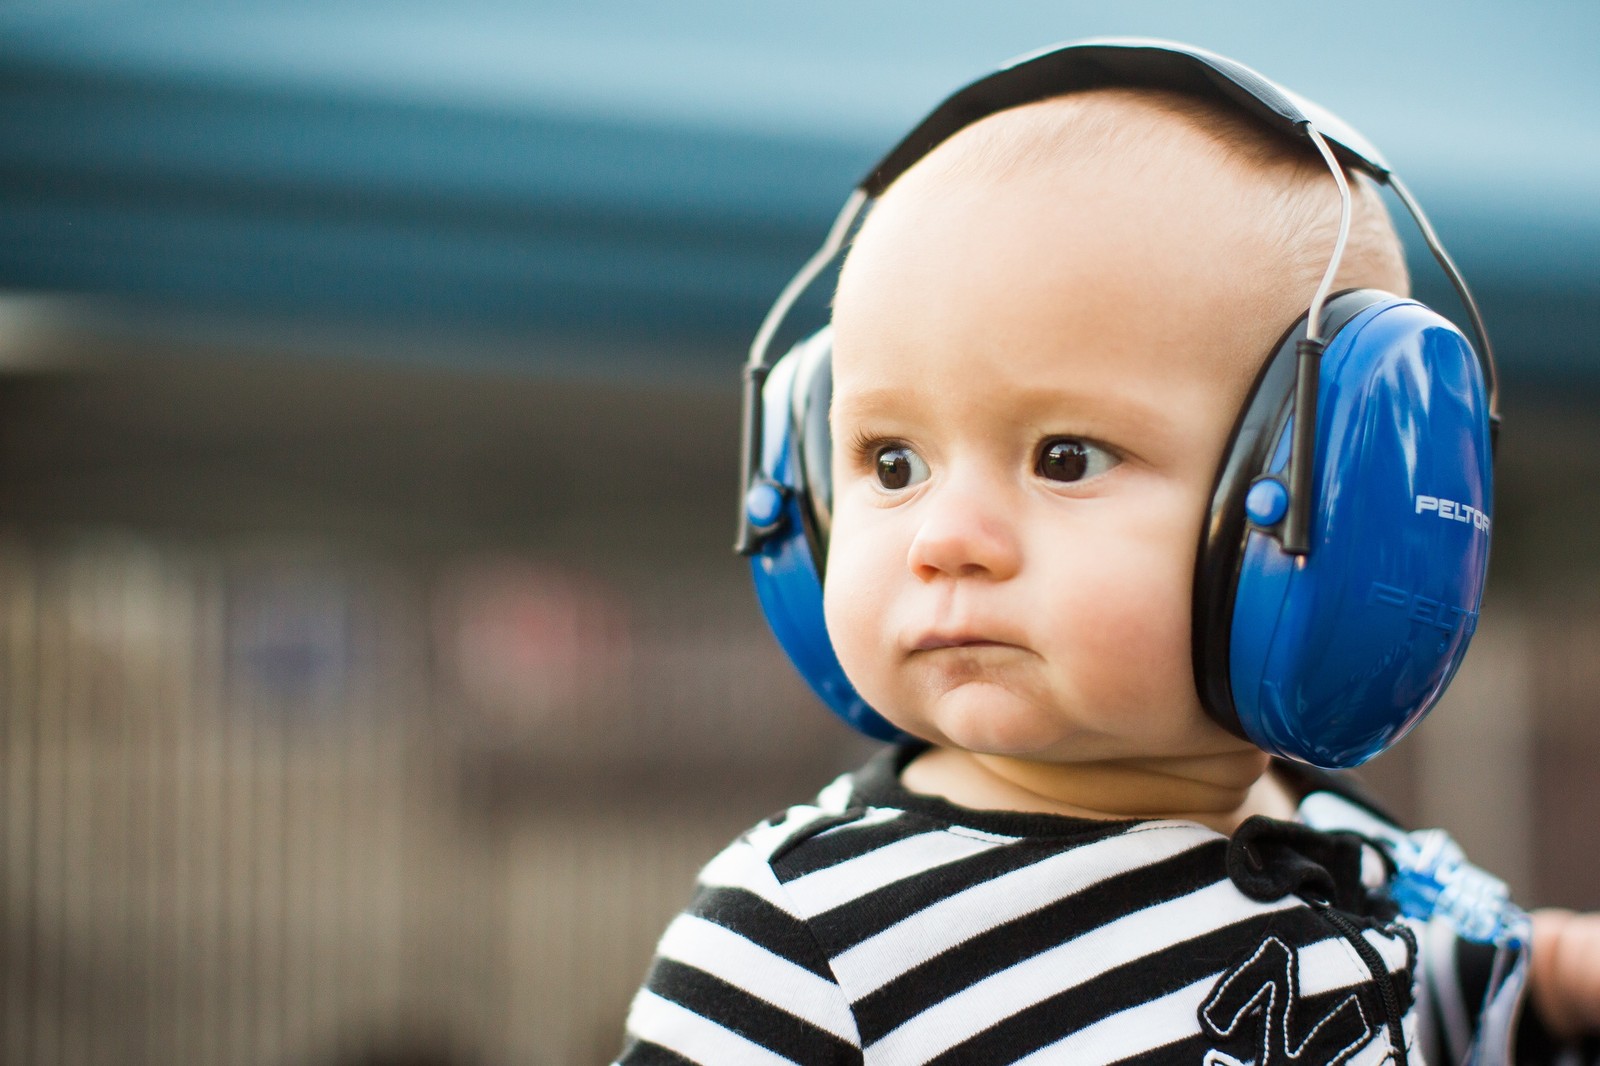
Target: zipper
{"type": "Point", "coordinates": [1380, 971]}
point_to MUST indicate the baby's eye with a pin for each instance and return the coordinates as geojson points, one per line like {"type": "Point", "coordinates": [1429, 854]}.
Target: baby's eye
{"type": "Point", "coordinates": [898, 467]}
{"type": "Point", "coordinates": [1071, 459]}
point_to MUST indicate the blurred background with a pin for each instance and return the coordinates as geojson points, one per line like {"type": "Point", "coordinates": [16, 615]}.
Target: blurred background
{"type": "Point", "coordinates": [375, 672]}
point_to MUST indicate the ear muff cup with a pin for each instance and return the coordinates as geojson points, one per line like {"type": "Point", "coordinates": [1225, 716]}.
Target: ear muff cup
{"type": "Point", "coordinates": [796, 453]}
{"type": "Point", "coordinates": [1331, 657]}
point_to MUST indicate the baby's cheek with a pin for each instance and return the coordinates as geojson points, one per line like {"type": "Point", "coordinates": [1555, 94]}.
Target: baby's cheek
{"type": "Point", "coordinates": [1157, 636]}
{"type": "Point", "coordinates": [851, 606]}
{"type": "Point", "coordinates": [1132, 628]}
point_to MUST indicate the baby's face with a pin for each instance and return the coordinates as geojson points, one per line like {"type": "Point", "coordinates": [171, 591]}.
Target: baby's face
{"type": "Point", "coordinates": [1034, 379]}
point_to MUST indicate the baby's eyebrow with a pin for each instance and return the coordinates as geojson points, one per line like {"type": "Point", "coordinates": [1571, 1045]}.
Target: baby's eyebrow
{"type": "Point", "coordinates": [858, 404]}
{"type": "Point", "coordinates": [1122, 409]}
{"type": "Point", "coordinates": [1119, 413]}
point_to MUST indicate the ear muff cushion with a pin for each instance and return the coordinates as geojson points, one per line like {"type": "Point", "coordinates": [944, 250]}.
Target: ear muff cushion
{"type": "Point", "coordinates": [1256, 433]}
{"type": "Point", "coordinates": [786, 570]}
{"type": "Point", "coordinates": [812, 393]}
{"type": "Point", "coordinates": [1333, 657]}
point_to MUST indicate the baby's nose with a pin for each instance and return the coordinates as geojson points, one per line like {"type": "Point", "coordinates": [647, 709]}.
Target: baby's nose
{"type": "Point", "coordinates": [964, 534]}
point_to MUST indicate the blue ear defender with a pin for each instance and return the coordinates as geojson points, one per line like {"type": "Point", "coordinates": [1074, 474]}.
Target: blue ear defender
{"type": "Point", "coordinates": [1342, 562]}
{"type": "Point", "coordinates": [791, 504]}
{"type": "Point", "coordinates": [1331, 656]}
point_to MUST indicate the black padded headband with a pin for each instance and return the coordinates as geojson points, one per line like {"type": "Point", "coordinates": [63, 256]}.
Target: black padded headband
{"type": "Point", "coordinates": [1130, 61]}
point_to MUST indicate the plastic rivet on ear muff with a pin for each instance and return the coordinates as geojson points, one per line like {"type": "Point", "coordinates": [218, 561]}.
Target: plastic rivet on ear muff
{"type": "Point", "coordinates": [763, 504]}
{"type": "Point", "coordinates": [1267, 502]}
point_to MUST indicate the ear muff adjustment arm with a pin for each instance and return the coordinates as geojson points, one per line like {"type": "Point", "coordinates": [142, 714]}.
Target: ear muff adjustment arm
{"type": "Point", "coordinates": [1296, 538]}
{"type": "Point", "coordinates": [753, 532]}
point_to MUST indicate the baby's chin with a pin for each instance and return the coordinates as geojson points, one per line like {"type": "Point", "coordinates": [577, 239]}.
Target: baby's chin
{"type": "Point", "coordinates": [990, 719]}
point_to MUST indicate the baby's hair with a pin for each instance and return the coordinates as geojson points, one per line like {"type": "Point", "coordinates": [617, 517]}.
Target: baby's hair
{"type": "Point", "coordinates": [1298, 203]}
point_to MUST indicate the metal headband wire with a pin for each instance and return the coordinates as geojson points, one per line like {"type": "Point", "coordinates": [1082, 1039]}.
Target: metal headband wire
{"type": "Point", "coordinates": [837, 234]}
{"type": "Point", "coordinates": [1491, 378]}
{"type": "Point", "coordinates": [1320, 297]}
{"type": "Point", "coordinates": [755, 369]}
{"type": "Point", "coordinates": [1295, 535]}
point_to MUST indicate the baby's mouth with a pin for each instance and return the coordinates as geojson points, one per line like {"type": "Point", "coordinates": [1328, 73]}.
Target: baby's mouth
{"type": "Point", "coordinates": [943, 641]}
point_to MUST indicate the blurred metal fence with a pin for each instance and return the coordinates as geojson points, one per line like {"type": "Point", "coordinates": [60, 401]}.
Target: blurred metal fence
{"type": "Point", "coordinates": [266, 806]}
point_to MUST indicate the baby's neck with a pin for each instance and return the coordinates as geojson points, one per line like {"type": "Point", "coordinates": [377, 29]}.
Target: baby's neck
{"type": "Point", "coordinates": [1218, 791]}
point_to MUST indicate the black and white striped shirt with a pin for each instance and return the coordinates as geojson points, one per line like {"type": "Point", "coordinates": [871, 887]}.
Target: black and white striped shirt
{"type": "Point", "coordinates": [878, 926]}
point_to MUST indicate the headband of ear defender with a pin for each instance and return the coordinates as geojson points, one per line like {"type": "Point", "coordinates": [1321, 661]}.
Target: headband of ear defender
{"type": "Point", "coordinates": [1342, 562]}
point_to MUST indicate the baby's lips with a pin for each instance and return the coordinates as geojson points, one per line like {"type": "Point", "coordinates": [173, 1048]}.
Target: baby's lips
{"type": "Point", "coordinates": [939, 639]}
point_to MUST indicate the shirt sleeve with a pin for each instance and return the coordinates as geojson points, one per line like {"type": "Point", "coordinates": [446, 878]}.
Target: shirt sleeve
{"type": "Point", "coordinates": [738, 978]}
{"type": "Point", "coordinates": [1454, 978]}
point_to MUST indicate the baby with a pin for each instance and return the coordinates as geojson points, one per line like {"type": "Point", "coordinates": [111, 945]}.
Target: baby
{"type": "Point", "coordinates": [1042, 336]}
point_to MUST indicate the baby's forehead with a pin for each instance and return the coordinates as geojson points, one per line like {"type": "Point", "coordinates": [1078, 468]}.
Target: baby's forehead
{"type": "Point", "coordinates": [1118, 191]}
{"type": "Point", "coordinates": [1106, 245]}
{"type": "Point", "coordinates": [1122, 129]}
{"type": "Point", "coordinates": [1172, 176]}
{"type": "Point", "coordinates": [1146, 196]}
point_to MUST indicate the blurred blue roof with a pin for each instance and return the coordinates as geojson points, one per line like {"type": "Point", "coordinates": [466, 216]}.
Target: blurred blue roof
{"type": "Point", "coordinates": [654, 169]}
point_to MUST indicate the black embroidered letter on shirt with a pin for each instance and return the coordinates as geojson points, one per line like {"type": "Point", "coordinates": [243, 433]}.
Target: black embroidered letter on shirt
{"type": "Point", "coordinates": [1267, 985]}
